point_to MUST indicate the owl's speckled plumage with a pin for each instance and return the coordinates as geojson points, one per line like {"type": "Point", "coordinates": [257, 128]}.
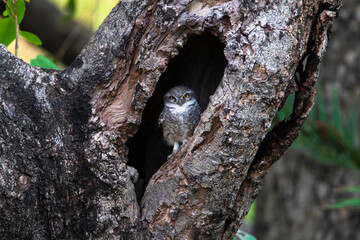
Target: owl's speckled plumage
{"type": "Point", "coordinates": [180, 115]}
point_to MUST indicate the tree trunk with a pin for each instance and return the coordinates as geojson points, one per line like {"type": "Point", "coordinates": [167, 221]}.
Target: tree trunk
{"type": "Point", "coordinates": [68, 136]}
{"type": "Point", "coordinates": [302, 186]}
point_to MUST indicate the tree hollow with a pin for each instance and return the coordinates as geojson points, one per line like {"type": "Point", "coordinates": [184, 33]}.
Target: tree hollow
{"type": "Point", "coordinates": [199, 65]}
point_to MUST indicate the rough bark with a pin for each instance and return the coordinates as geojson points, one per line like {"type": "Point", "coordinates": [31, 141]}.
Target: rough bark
{"type": "Point", "coordinates": [298, 189]}
{"type": "Point", "coordinates": [65, 135]}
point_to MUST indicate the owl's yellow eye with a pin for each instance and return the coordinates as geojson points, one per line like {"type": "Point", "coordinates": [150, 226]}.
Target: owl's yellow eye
{"type": "Point", "coordinates": [186, 95]}
{"type": "Point", "coordinates": [171, 98]}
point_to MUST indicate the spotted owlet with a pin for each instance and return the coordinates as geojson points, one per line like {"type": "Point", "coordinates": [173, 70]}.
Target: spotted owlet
{"type": "Point", "coordinates": [180, 115]}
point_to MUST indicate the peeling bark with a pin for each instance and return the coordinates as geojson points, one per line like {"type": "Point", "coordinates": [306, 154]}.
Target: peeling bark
{"type": "Point", "coordinates": [66, 135]}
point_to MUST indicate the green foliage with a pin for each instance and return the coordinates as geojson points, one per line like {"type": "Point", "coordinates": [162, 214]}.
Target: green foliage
{"type": "Point", "coordinates": [43, 62]}
{"type": "Point", "coordinates": [250, 217]}
{"type": "Point", "coordinates": [30, 37]}
{"type": "Point", "coordinates": [241, 235]}
{"type": "Point", "coordinates": [7, 31]}
{"type": "Point", "coordinates": [349, 202]}
{"type": "Point", "coordinates": [330, 138]}
{"type": "Point", "coordinates": [90, 13]}
{"type": "Point", "coordinates": [8, 25]}
{"type": "Point", "coordinates": [285, 111]}
{"type": "Point", "coordinates": [20, 9]}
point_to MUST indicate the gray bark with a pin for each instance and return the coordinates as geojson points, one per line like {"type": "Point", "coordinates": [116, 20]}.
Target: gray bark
{"type": "Point", "coordinates": [65, 135]}
{"type": "Point", "coordinates": [298, 189]}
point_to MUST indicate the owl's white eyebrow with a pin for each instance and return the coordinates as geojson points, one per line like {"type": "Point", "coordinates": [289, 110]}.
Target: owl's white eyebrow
{"type": "Point", "coordinates": [178, 108]}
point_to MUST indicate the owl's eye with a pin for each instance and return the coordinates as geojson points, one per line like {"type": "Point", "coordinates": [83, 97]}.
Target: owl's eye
{"type": "Point", "coordinates": [171, 98]}
{"type": "Point", "coordinates": [186, 95]}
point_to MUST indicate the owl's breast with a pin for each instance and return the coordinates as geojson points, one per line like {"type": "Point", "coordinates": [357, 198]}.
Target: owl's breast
{"type": "Point", "coordinates": [178, 124]}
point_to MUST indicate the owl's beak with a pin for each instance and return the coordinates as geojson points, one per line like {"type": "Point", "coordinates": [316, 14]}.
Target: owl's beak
{"type": "Point", "coordinates": [181, 101]}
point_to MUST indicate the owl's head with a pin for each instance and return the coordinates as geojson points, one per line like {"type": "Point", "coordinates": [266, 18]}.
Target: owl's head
{"type": "Point", "coordinates": [179, 95]}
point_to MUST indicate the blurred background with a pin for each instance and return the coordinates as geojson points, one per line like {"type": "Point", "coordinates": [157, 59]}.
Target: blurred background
{"type": "Point", "coordinates": [64, 27]}
{"type": "Point", "coordinates": [313, 191]}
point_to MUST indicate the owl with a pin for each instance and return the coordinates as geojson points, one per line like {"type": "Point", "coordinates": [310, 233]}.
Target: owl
{"type": "Point", "coordinates": [180, 116]}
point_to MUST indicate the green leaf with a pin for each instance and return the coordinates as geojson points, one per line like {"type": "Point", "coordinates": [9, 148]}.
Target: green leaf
{"type": "Point", "coordinates": [30, 37]}
{"type": "Point", "coordinates": [250, 217]}
{"type": "Point", "coordinates": [284, 112]}
{"type": "Point", "coordinates": [7, 31]}
{"type": "Point", "coordinates": [350, 202]}
{"type": "Point", "coordinates": [20, 9]}
{"type": "Point", "coordinates": [5, 13]}
{"type": "Point", "coordinates": [44, 62]}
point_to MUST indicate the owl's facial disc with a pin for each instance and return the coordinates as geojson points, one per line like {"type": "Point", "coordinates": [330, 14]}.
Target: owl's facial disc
{"type": "Point", "coordinates": [180, 106]}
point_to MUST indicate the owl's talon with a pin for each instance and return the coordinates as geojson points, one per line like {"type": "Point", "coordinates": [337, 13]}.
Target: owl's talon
{"type": "Point", "coordinates": [175, 150]}
{"type": "Point", "coordinates": [171, 155]}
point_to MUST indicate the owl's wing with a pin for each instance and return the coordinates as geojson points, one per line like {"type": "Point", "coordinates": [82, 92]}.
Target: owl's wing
{"type": "Point", "coordinates": [161, 118]}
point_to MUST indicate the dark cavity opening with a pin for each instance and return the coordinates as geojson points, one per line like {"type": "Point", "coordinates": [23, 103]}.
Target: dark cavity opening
{"type": "Point", "coordinates": [199, 65]}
